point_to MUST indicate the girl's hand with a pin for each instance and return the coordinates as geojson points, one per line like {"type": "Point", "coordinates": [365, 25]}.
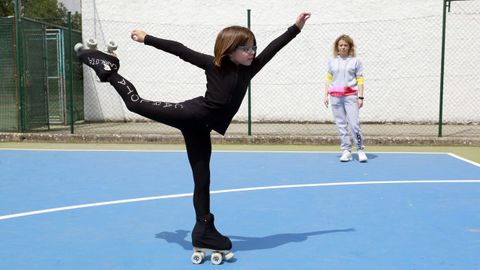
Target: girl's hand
{"type": "Point", "coordinates": [325, 101]}
{"type": "Point", "coordinates": [301, 19]}
{"type": "Point", "coordinates": [138, 35]}
{"type": "Point", "coordinates": [360, 103]}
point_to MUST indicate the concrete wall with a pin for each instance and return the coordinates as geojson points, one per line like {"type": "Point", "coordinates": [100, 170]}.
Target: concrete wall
{"type": "Point", "coordinates": [399, 42]}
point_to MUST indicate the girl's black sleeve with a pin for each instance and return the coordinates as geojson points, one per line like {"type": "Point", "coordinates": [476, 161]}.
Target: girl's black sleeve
{"type": "Point", "coordinates": [176, 48]}
{"type": "Point", "coordinates": [276, 45]}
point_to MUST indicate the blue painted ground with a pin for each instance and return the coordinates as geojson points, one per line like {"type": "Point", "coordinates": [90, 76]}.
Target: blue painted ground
{"type": "Point", "coordinates": [383, 226]}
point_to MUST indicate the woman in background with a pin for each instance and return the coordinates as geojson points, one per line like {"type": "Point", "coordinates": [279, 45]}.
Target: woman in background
{"type": "Point", "coordinates": [344, 85]}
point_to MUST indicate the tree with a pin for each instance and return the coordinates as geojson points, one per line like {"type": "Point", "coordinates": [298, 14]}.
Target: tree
{"type": "Point", "coordinates": [77, 20]}
{"type": "Point", "coordinates": [50, 11]}
{"type": "Point", "coordinates": [6, 8]}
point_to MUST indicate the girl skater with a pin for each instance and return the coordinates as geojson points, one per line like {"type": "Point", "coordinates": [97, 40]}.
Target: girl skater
{"type": "Point", "coordinates": [345, 87]}
{"type": "Point", "coordinates": [228, 74]}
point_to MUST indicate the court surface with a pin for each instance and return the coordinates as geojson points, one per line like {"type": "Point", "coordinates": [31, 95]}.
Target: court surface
{"type": "Point", "coordinates": [73, 209]}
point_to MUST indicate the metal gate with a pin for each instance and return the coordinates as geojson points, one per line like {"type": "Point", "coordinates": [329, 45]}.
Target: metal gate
{"type": "Point", "coordinates": [56, 76]}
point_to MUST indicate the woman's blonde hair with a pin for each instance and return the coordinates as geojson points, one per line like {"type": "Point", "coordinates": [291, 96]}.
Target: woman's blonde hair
{"type": "Point", "coordinates": [229, 39]}
{"type": "Point", "coordinates": [350, 42]}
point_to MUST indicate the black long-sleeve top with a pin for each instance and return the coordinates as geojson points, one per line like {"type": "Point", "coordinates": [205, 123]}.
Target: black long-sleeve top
{"type": "Point", "coordinates": [226, 85]}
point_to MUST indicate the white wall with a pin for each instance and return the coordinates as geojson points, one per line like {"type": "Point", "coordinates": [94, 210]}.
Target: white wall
{"type": "Point", "coordinates": [399, 42]}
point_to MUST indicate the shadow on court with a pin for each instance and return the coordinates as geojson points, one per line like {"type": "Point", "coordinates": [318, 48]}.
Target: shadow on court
{"type": "Point", "coordinates": [244, 243]}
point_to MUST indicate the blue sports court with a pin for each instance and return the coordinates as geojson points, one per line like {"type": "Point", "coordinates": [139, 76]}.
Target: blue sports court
{"type": "Point", "coordinates": [69, 209]}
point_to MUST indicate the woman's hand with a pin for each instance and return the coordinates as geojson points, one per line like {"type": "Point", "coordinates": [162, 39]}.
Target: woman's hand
{"type": "Point", "coordinates": [301, 19]}
{"type": "Point", "coordinates": [138, 35]}
{"type": "Point", "coordinates": [325, 100]}
{"type": "Point", "coordinates": [360, 103]}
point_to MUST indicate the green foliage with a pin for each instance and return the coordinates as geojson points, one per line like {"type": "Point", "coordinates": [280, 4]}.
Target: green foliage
{"type": "Point", "coordinates": [6, 8]}
{"type": "Point", "coordinates": [50, 11]}
{"type": "Point", "coordinates": [77, 21]}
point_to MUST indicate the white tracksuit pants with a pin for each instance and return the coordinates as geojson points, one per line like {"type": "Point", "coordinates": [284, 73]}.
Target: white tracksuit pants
{"type": "Point", "coordinates": [346, 113]}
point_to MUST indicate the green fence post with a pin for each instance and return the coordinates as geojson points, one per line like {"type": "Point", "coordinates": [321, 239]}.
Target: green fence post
{"type": "Point", "coordinates": [19, 59]}
{"type": "Point", "coordinates": [70, 74]}
{"type": "Point", "coordinates": [446, 6]}
{"type": "Point", "coordinates": [249, 90]}
{"type": "Point", "coordinates": [442, 67]}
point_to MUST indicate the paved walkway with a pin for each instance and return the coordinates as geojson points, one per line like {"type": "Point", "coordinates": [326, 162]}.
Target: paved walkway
{"type": "Point", "coordinates": [261, 133]}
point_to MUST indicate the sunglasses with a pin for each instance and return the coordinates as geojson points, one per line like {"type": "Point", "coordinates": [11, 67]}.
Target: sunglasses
{"type": "Point", "coordinates": [248, 49]}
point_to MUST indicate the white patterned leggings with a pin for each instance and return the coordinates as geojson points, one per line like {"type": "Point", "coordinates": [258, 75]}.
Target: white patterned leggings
{"type": "Point", "coordinates": [346, 113]}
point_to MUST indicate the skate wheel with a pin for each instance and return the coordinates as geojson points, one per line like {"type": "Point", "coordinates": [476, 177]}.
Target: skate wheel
{"type": "Point", "coordinates": [111, 46]}
{"type": "Point", "coordinates": [92, 43]}
{"type": "Point", "coordinates": [216, 258]}
{"type": "Point", "coordinates": [197, 257]}
{"type": "Point", "coordinates": [78, 47]}
{"type": "Point", "coordinates": [228, 256]}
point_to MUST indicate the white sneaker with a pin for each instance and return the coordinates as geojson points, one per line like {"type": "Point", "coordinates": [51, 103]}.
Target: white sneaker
{"type": "Point", "coordinates": [346, 156]}
{"type": "Point", "coordinates": [362, 157]}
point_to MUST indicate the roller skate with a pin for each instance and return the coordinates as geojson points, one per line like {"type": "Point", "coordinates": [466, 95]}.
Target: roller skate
{"type": "Point", "coordinates": [206, 238]}
{"type": "Point", "coordinates": [103, 63]}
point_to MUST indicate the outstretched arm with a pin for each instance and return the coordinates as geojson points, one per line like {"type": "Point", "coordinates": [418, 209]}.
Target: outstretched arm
{"type": "Point", "coordinates": [198, 59]}
{"type": "Point", "coordinates": [277, 44]}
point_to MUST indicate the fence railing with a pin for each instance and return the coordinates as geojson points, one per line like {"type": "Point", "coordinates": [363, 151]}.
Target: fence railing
{"type": "Point", "coordinates": [402, 60]}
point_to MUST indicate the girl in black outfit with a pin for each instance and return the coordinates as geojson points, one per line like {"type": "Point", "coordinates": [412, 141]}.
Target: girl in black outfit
{"type": "Point", "coordinates": [228, 73]}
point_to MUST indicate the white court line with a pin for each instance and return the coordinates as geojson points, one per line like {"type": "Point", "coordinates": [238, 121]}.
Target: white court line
{"type": "Point", "coordinates": [464, 159]}
{"type": "Point", "coordinates": [219, 151]}
{"type": "Point", "coordinates": [215, 151]}
{"type": "Point", "coordinates": [231, 151]}
{"type": "Point", "coordinates": [66, 208]}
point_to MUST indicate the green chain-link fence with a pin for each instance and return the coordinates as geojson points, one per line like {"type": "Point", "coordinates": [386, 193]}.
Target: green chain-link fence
{"type": "Point", "coordinates": [36, 56]}
{"type": "Point", "coordinates": [8, 96]}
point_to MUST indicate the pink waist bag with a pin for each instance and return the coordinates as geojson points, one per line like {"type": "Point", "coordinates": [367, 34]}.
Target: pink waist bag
{"type": "Point", "coordinates": [342, 91]}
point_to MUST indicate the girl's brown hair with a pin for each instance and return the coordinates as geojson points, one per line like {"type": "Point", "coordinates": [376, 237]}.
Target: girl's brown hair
{"type": "Point", "coordinates": [350, 42]}
{"type": "Point", "coordinates": [229, 39]}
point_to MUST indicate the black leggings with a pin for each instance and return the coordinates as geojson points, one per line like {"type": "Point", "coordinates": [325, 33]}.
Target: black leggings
{"type": "Point", "coordinates": [178, 115]}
